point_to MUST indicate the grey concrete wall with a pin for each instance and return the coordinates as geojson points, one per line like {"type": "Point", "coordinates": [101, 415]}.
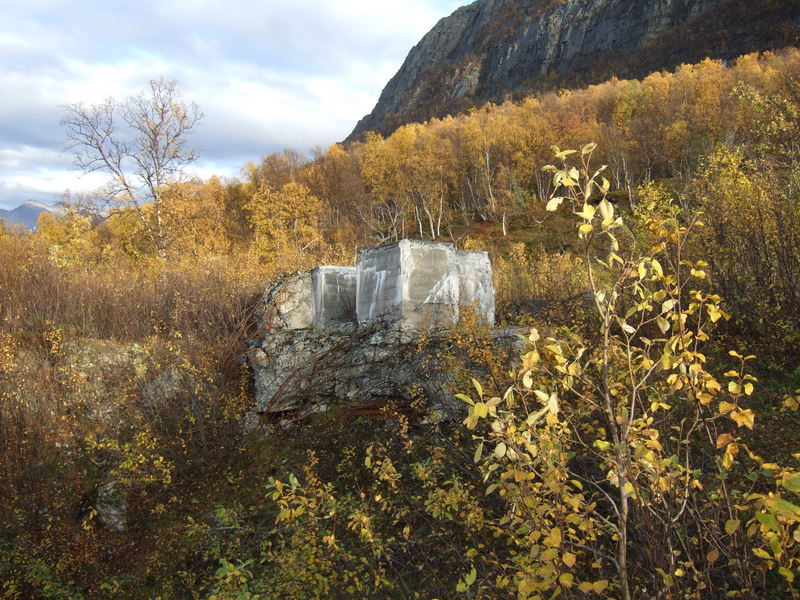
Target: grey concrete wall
{"type": "Point", "coordinates": [379, 293]}
{"type": "Point", "coordinates": [422, 285]}
{"type": "Point", "coordinates": [334, 296]}
{"type": "Point", "coordinates": [476, 289]}
{"type": "Point", "coordinates": [430, 285]}
{"type": "Point", "coordinates": [416, 285]}
{"type": "Point", "coordinates": [411, 283]}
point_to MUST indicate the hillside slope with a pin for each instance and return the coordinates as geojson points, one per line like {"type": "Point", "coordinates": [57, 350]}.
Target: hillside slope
{"type": "Point", "coordinates": [494, 49]}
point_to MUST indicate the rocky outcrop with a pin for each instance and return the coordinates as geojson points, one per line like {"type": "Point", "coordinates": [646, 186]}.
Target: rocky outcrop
{"type": "Point", "coordinates": [491, 49]}
{"type": "Point", "coordinates": [111, 505]}
{"type": "Point", "coordinates": [299, 372]}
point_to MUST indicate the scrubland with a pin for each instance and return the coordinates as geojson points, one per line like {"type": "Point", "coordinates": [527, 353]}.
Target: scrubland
{"type": "Point", "coordinates": [644, 445]}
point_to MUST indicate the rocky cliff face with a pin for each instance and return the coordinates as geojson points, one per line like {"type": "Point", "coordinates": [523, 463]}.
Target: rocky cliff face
{"type": "Point", "coordinates": [491, 49]}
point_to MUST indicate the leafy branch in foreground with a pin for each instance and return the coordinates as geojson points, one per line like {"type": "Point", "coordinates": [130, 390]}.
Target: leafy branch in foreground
{"type": "Point", "coordinates": [628, 440]}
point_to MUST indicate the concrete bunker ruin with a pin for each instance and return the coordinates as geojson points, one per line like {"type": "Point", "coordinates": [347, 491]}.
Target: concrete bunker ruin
{"type": "Point", "coordinates": [422, 285]}
{"type": "Point", "coordinates": [410, 284]}
{"type": "Point", "coordinates": [355, 334]}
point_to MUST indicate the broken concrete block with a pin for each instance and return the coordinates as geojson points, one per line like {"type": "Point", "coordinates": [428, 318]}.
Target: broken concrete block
{"type": "Point", "coordinates": [411, 283]}
{"type": "Point", "coordinates": [416, 285]}
{"type": "Point", "coordinates": [333, 300]}
{"type": "Point", "coordinates": [476, 289]}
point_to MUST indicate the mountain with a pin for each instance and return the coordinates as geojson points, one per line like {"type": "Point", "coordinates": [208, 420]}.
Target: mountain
{"type": "Point", "coordinates": [492, 50]}
{"type": "Point", "coordinates": [27, 214]}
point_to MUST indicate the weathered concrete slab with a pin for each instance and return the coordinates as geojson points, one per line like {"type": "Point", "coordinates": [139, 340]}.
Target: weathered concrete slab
{"type": "Point", "coordinates": [411, 283]}
{"type": "Point", "coordinates": [431, 289]}
{"type": "Point", "coordinates": [379, 295]}
{"type": "Point", "coordinates": [476, 289]}
{"type": "Point", "coordinates": [333, 300]}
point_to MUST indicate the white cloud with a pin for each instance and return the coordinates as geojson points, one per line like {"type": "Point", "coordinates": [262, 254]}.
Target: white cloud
{"type": "Point", "coordinates": [267, 74]}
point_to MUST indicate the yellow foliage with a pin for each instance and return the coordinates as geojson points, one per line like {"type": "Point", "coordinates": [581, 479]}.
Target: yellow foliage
{"type": "Point", "coordinates": [286, 225]}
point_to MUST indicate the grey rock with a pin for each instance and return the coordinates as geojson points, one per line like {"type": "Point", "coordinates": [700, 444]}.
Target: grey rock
{"type": "Point", "coordinates": [304, 371]}
{"type": "Point", "coordinates": [112, 505]}
{"type": "Point", "coordinates": [288, 303]}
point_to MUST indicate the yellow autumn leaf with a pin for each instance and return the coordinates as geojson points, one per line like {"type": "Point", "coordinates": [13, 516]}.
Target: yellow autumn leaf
{"type": "Point", "coordinates": [704, 398]}
{"type": "Point", "coordinates": [552, 404]}
{"type": "Point", "coordinates": [663, 324]}
{"type": "Point", "coordinates": [723, 440]}
{"type": "Point", "coordinates": [587, 212]}
{"type": "Point", "coordinates": [527, 380]}
{"type": "Point", "coordinates": [530, 359]}
{"type": "Point", "coordinates": [606, 209]}
{"type": "Point", "coordinates": [629, 489]}
{"type": "Point", "coordinates": [726, 407]}
{"type": "Point", "coordinates": [727, 460]}
{"type": "Point", "coordinates": [744, 418]}
{"type": "Point", "coordinates": [500, 450]}
{"type": "Point", "coordinates": [574, 369]}
{"type": "Point", "coordinates": [553, 540]}
{"type": "Point", "coordinates": [657, 267]}
{"type": "Point", "coordinates": [732, 525]}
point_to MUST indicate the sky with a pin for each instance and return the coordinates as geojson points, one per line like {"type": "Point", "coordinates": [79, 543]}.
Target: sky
{"type": "Point", "coordinates": [267, 74]}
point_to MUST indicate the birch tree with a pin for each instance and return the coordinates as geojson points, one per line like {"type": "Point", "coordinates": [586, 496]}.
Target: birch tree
{"type": "Point", "coordinates": [141, 143]}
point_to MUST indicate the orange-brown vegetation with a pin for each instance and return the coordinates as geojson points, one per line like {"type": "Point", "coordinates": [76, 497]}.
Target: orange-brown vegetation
{"type": "Point", "coordinates": [623, 458]}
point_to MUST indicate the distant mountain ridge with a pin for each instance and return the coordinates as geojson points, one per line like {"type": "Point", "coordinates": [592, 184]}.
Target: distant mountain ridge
{"type": "Point", "coordinates": [491, 50]}
{"type": "Point", "coordinates": [27, 213]}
